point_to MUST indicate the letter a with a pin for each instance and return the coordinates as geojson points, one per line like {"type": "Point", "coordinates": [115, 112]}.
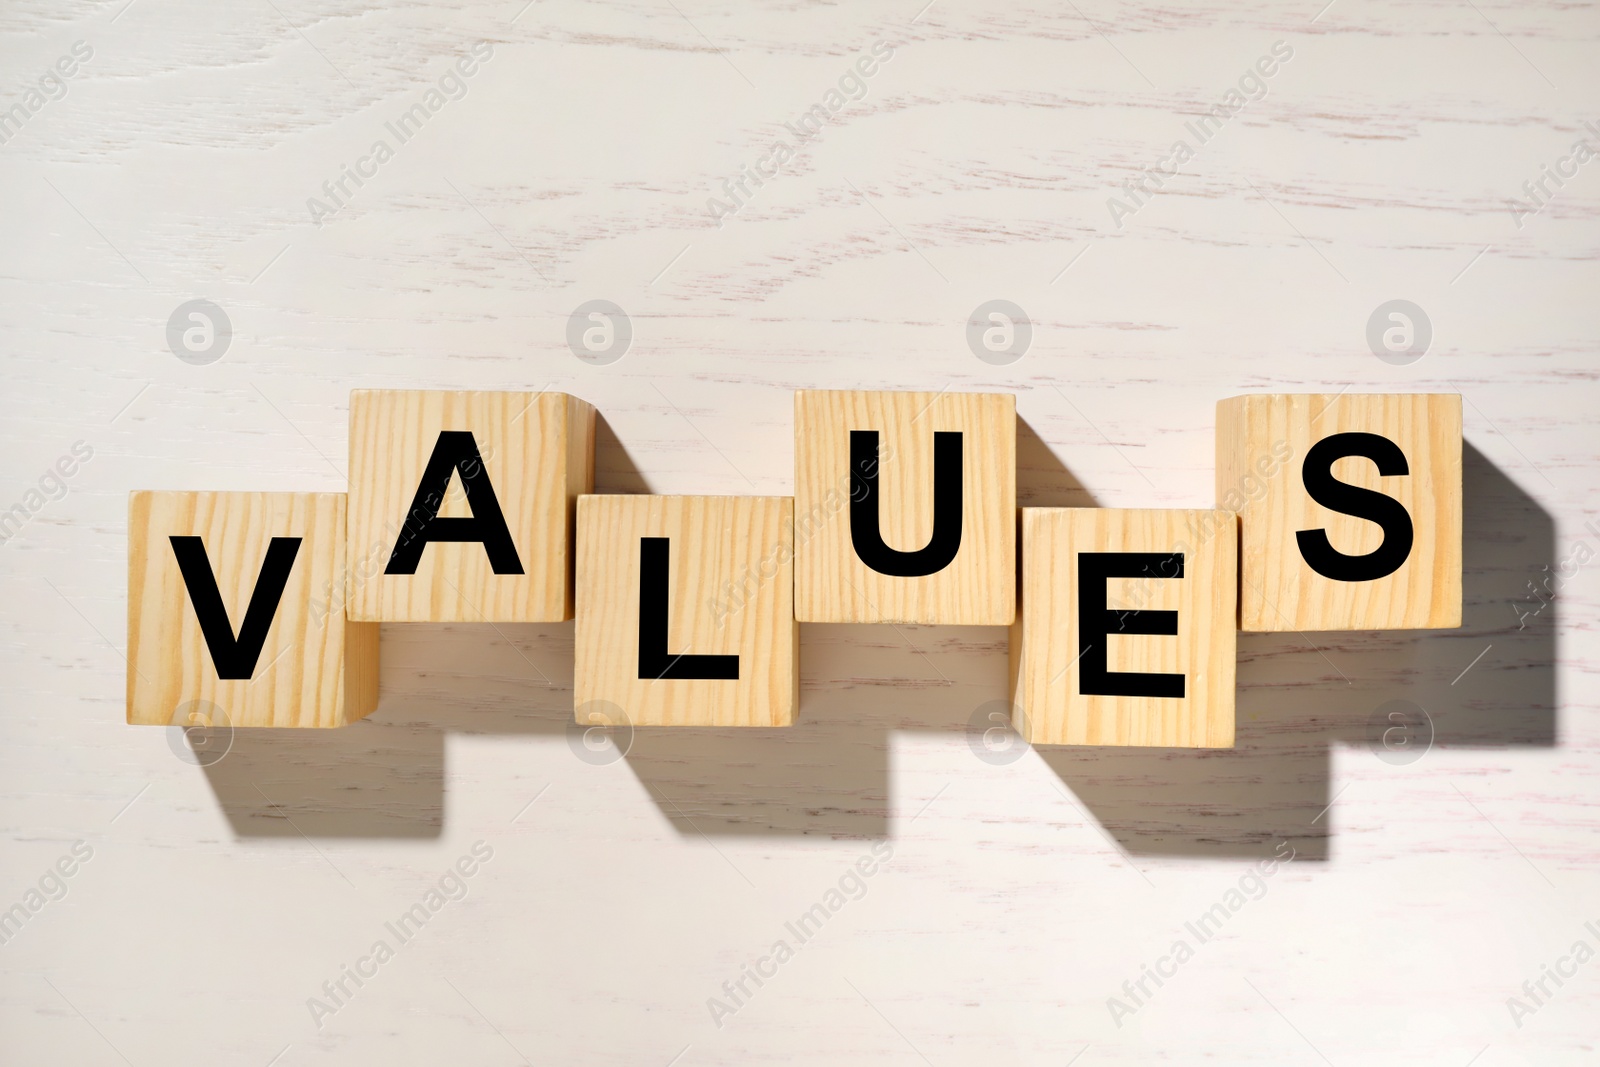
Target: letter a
{"type": "Point", "coordinates": [456, 450]}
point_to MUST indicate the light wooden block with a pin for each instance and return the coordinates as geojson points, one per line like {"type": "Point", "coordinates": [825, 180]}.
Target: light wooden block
{"type": "Point", "coordinates": [1055, 657]}
{"type": "Point", "coordinates": [537, 453]}
{"type": "Point", "coordinates": [1268, 445]}
{"type": "Point", "coordinates": [974, 585]}
{"type": "Point", "coordinates": [729, 591]}
{"type": "Point", "coordinates": [313, 667]}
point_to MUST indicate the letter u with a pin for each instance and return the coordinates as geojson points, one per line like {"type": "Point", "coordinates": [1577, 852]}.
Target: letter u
{"type": "Point", "coordinates": [866, 535]}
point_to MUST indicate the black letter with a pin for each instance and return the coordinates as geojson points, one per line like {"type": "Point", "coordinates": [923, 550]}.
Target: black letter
{"type": "Point", "coordinates": [455, 450]}
{"type": "Point", "coordinates": [654, 659]}
{"type": "Point", "coordinates": [1386, 511]}
{"type": "Point", "coordinates": [234, 657]}
{"type": "Point", "coordinates": [1094, 623]}
{"type": "Point", "coordinates": [865, 534]}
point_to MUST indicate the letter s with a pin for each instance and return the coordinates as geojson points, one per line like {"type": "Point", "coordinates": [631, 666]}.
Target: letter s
{"type": "Point", "coordinates": [1386, 511]}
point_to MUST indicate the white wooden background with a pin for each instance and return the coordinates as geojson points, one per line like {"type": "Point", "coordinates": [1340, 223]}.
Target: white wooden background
{"type": "Point", "coordinates": [621, 895]}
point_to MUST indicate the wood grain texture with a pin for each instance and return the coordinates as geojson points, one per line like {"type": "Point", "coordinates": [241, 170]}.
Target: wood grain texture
{"type": "Point", "coordinates": [1049, 649]}
{"type": "Point", "coordinates": [731, 593]}
{"type": "Point", "coordinates": [1026, 884]}
{"type": "Point", "coordinates": [315, 669]}
{"type": "Point", "coordinates": [1262, 443]}
{"type": "Point", "coordinates": [832, 583]}
{"type": "Point", "coordinates": [538, 453]}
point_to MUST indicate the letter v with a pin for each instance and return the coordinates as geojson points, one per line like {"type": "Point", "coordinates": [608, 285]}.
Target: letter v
{"type": "Point", "coordinates": [235, 657]}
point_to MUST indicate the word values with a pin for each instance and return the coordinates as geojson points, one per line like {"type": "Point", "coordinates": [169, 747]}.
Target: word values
{"type": "Point", "coordinates": [1335, 512]}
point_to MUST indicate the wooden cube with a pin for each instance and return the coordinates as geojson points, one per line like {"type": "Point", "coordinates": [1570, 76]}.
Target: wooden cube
{"type": "Point", "coordinates": [233, 601]}
{"type": "Point", "coordinates": [686, 611]}
{"type": "Point", "coordinates": [1350, 508]}
{"type": "Point", "coordinates": [461, 504]}
{"type": "Point", "coordinates": [905, 507]}
{"type": "Point", "coordinates": [1125, 630]}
